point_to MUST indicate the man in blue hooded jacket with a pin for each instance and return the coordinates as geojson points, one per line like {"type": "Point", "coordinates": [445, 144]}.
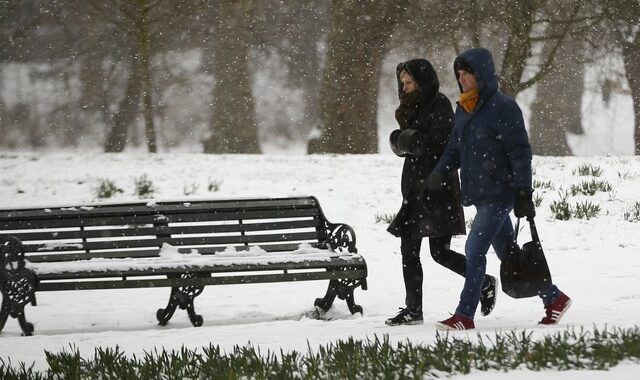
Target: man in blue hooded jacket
{"type": "Point", "coordinates": [490, 146]}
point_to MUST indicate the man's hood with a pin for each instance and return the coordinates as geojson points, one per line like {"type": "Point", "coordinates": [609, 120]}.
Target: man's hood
{"type": "Point", "coordinates": [481, 63]}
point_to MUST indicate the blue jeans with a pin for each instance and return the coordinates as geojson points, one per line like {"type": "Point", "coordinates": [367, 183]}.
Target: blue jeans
{"type": "Point", "coordinates": [491, 227]}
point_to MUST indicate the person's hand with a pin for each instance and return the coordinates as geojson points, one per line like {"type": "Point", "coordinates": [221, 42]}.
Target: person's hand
{"type": "Point", "coordinates": [524, 206]}
{"type": "Point", "coordinates": [435, 181]}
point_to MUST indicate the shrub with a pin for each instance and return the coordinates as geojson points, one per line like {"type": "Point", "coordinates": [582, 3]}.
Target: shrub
{"type": "Point", "coordinates": [586, 210]}
{"type": "Point", "coordinates": [561, 209]}
{"type": "Point", "coordinates": [386, 218]}
{"type": "Point", "coordinates": [144, 187]}
{"type": "Point", "coordinates": [588, 170]}
{"type": "Point", "coordinates": [633, 215]}
{"type": "Point", "coordinates": [106, 189]}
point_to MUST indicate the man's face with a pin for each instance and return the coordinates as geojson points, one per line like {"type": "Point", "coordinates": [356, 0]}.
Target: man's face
{"type": "Point", "coordinates": [408, 84]}
{"type": "Point", "coordinates": [467, 80]}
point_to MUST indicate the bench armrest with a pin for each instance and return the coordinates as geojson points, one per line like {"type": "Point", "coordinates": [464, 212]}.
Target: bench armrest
{"type": "Point", "coordinates": [339, 237]}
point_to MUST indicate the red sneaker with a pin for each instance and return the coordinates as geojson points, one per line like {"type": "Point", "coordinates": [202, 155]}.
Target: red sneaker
{"type": "Point", "coordinates": [556, 310]}
{"type": "Point", "coordinates": [456, 322]}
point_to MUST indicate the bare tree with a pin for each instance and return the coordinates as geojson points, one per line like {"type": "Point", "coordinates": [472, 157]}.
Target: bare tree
{"type": "Point", "coordinates": [144, 21]}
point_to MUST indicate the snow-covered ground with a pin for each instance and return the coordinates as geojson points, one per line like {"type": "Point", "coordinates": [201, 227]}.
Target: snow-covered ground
{"type": "Point", "coordinates": [596, 262]}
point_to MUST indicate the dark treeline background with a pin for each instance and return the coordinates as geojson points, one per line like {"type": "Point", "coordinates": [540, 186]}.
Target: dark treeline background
{"type": "Point", "coordinates": [228, 75]}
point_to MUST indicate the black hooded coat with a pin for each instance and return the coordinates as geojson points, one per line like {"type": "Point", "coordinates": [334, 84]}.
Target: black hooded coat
{"type": "Point", "coordinates": [424, 131]}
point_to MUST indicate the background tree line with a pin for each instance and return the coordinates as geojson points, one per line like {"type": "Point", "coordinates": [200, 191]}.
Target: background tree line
{"type": "Point", "coordinates": [158, 72]}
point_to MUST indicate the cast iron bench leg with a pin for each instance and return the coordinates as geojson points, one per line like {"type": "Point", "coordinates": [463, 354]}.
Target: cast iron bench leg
{"type": "Point", "coordinates": [4, 313]}
{"type": "Point", "coordinates": [343, 289]}
{"type": "Point", "coordinates": [17, 312]}
{"type": "Point", "coordinates": [182, 296]}
{"type": "Point", "coordinates": [164, 315]}
{"type": "Point", "coordinates": [27, 328]}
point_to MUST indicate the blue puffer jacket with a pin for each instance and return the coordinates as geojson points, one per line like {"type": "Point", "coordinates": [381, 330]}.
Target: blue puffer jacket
{"type": "Point", "coordinates": [490, 145]}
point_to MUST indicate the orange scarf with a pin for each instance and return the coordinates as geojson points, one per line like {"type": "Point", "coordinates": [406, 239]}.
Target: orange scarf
{"type": "Point", "coordinates": [469, 99]}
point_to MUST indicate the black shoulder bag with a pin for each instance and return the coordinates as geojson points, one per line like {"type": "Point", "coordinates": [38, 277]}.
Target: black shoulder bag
{"type": "Point", "coordinates": [524, 271]}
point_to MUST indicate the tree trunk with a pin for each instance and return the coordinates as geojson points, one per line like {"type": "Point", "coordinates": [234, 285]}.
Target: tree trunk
{"type": "Point", "coordinates": [349, 91]}
{"type": "Point", "coordinates": [127, 112]}
{"type": "Point", "coordinates": [144, 49]}
{"type": "Point", "coordinates": [557, 108]}
{"type": "Point", "coordinates": [631, 57]}
{"type": "Point", "coordinates": [3, 117]}
{"type": "Point", "coordinates": [233, 128]}
{"type": "Point", "coordinates": [304, 67]}
{"type": "Point", "coordinates": [518, 48]}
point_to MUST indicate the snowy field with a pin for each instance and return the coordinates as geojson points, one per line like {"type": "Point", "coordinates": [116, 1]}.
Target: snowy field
{"type": "Point", "coordinates": [596, 262]}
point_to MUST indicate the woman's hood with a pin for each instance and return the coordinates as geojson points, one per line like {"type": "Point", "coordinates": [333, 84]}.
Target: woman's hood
{"type": "Point", "coordinates": [423, 74]}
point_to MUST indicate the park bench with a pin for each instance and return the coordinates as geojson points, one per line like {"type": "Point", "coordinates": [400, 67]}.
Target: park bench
{"type": "Point", "coordinates": [182, 245]}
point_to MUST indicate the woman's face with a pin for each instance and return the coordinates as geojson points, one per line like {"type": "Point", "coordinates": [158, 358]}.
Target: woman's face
{"type": "Point", "coordinates": [408, 84]}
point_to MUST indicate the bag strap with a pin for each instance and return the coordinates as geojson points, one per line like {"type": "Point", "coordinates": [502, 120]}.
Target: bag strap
{"type": "Point", "coordinates": [534, 230]}
{"type": "Point", "coordinates": [532, 227]}
{"type": "Point", "coordinates": [515, 231]}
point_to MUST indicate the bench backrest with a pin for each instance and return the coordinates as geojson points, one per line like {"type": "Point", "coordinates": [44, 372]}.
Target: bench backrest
{"type": "Point", "coordinates": [140, 229]}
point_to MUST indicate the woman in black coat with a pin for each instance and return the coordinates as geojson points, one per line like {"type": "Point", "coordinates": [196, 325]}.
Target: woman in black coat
{"type": "Point", "coordinates": [425, 118]}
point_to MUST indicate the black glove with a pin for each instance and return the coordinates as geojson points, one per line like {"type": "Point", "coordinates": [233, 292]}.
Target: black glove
{"type": "Point", "coordinates": [435, 181]}
{"type": "Point", "coordinates": [524, 206]}
{"type": "Point", "coordinates": [394, 140]}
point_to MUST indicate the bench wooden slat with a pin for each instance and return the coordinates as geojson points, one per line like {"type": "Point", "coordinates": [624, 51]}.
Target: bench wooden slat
{"type": "Point", "coordinates": [176, 241]}
{"type": "Point", "coordinates": [155, 219]}
{"type": "Point", "coordinates": [160, 230]}
{"type": "Point", "coordinates": [79, 222]}
{"type": "Point", "coordinates": [203, 281]}
{"type": "Point", "coordinates": [243, 215]}
{"type": "Point", "coordinates": [89, 234]}
{"type": "Point", "coordinates": [61, 257]}
{"type": "Point", "coordinates": [354, 261]}
{"type": "Point", "coordinates": [264, 247]}
{"type": "Point", "coordinates": [154, 208]}
{"type": "Point", "coordinates": [261, 238]}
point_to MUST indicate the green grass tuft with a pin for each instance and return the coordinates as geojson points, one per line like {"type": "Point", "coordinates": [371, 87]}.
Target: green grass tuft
{"type": "Point", "coordinates": [537, 200]}
{"type": "Point", "coordinates": [571, 349]}
{"type": "Point", "coordinates": [561, 208]}
{"type": "Point", "coordinates": [588, 170]}
{"type": "Point", "coordinates": [633, 215]}
{"type": "Point", "coordinates": [543, 184]}
{"type": "Point", "coordinates": [386, 218]}
{"type": "Point", "coordinates": [590, 187]}
{"type": "Point", "coordinates": [586, 210]}
{"type": "Point", "coordinates": [144, 187]}
{"type": "Point", "coordinates": [214, 185]}
{"type": "Point", "coordinates": [106, 189]}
